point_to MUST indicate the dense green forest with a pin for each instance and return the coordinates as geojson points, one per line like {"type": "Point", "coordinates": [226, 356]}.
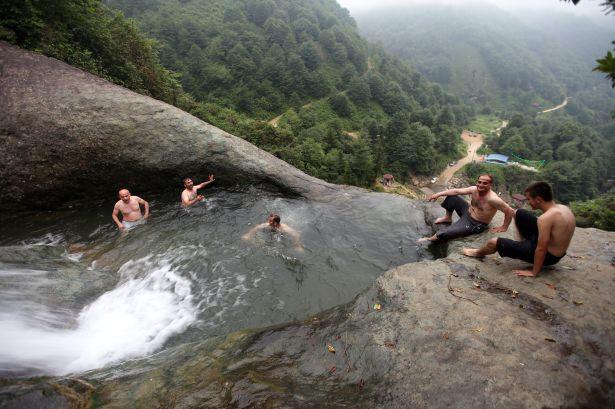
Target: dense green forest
{"type": "Point", "coordinates": [513, 66]}
{"type": "Point", "coordinates": [350, 110]}
{"type": "Point", "coordinates": [497, 59]}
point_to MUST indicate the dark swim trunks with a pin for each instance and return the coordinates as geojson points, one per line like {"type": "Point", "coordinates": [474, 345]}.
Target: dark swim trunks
{"type": "Point", "coordinates": [465, 226]}
{"type": "Point", "coordinates": [527, 224]}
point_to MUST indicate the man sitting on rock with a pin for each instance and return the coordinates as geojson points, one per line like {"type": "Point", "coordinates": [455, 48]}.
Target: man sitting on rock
{"type": "Point", "coordinates": [189, 195]}
{"type": "Point", "coordinates": [473, 217]}
{"type": "Point", "coordinates": [544, 239]}
{"type": "Point", "coordinates": [273, 222]}
{"type": "Point", "coordinates": [130, 206]}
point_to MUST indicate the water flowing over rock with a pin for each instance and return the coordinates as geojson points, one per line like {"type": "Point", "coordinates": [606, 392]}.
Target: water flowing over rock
{"type": "Point", "coordinates": [68, 135]}
{"type": "Point", "coordinates": [455, 332]}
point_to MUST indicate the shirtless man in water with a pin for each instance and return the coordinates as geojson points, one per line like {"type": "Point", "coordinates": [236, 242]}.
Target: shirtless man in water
{"type": "Point", "coordinates": [131, 210]}
{"type": "Point", "coordinates": [474, 217]}
{"type": "Point", "coordinates": [544, 239]}
{"type": "Point", "coordinates": [273, 223]}
{"type": "Point", "coordinates": [189, 195]}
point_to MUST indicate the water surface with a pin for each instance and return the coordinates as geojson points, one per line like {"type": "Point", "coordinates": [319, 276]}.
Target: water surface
{"type": "Point", "coordinates": [75, 294]}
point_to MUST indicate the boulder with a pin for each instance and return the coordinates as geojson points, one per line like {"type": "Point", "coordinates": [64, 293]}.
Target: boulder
{"type": "Point", "coordinates": [67, 135]}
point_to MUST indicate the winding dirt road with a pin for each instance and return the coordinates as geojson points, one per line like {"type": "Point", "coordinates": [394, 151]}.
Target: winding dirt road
{"type": "Point", "coordinates": [474, 141]}
{"type": "Point", "coordinates": [563, 104]}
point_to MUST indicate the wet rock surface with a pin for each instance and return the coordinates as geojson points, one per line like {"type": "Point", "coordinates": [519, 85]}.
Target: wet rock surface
{"type": "Point", "coordinates": [68, 135]}
{"type": "Point", "coordinates": [454, 332]}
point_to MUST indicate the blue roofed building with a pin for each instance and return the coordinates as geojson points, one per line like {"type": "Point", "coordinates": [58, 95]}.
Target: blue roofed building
{"type": "Point", "coordinates": [496, 158]}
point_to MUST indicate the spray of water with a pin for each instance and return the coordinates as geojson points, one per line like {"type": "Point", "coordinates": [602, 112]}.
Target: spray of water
{"type": "Point", "coordinates": [151, 303]}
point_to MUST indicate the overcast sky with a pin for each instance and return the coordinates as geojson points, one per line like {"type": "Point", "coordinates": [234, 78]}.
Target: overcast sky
{"type": "Point", "coordinates": [589, 8]}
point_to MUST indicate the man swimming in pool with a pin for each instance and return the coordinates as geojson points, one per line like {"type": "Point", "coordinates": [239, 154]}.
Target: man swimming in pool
{"type": "Point", "coordinates": [544, 240]}
{"type": "Point", "coordinates": [189, 195]}
{"type": "Point", "coordinates": [274, 224]}
{"type": "Point", "coordinates": [130, 206]}
{"type": "Point", "coordinates": [473, 217]}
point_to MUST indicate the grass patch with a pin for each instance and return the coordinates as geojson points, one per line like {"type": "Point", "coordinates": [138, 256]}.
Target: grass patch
{"type": "Point", "coordinates": [484, 124]}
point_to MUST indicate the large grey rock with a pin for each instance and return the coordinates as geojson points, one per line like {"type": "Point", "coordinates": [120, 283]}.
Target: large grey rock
{"type": "Point", "coordinates": [66, 135]}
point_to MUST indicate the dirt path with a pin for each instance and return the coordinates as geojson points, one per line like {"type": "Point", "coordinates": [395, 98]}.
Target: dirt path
{"type": "Point", "coordinates": [563, 104]}
{"type": "Point", "coordinates": [474, 141]}
{"type": "Point", "coordinates": [498, 130]}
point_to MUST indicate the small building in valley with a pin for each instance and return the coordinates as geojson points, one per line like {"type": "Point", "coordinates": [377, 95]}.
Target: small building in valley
{"type": "Point", "coordinates": [388, 179]}
{"type": "Point", "coordinates": [496, 158]}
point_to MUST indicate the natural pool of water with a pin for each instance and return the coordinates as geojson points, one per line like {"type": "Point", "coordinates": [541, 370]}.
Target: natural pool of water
{"type": "Point", "coordinates": [76, 295]}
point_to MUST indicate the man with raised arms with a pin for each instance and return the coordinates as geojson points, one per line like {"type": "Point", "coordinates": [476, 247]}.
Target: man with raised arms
{"type": "Point", "coordinates": [189, 195]}
{"type": "Point", "coordinates": [473, 217]}
{"type": "Point", "coordinates": [544, 240]}
{"type": "Point", "coordinates": [130, 207]}
{"type": "Point", "coordinates": [273, 223]}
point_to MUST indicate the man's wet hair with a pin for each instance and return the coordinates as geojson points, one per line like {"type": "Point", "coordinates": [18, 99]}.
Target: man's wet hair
{"type": "Point", "coordinates": [184, 181]}
{"type": "Point", "coordinates": [540, 189]}
{"type": "Point", "coordinates": [488, 175]}
{"type": "Point", "coordinates": [275, 217]}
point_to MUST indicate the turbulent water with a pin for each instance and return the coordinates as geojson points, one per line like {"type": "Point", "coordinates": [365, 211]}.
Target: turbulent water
{"type": "Point", "coordinates": [75, 294]}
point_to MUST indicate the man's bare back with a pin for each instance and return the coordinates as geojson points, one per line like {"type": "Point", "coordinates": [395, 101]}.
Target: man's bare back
{"type": "Point", "coordinates": [562, 223]}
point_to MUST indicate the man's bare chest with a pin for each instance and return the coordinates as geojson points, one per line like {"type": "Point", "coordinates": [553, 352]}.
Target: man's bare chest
{"type": "Point", "coordinates": [481, 203]}
{"type": "Point", "coordinates": [130, 207]}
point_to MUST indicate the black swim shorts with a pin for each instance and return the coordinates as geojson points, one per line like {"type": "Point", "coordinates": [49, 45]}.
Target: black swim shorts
{"type": "Point", "coordinates": [527, 225]}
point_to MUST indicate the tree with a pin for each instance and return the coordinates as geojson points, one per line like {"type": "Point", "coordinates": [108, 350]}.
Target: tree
{"type": "Point", "coordinates": [606, 64]}
{"type": "Point", "coordinates": [358, 91]}
{"type": "Point", "coordinates": [258, 11]}
{"type": "Point", "coordinates": [341, 105]}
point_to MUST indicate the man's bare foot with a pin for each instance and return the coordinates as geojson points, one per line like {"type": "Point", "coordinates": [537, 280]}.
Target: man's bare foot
{"type": "Point", "coordinates": [444, 219]}
{"type": "Point", "coordinates": [473, 253]}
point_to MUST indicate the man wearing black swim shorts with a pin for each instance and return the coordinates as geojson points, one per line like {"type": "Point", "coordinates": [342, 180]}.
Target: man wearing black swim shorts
{"type": "Point", "coordinates": [544, 240]}
{"type": "Point", "coordinates": [474, 217]}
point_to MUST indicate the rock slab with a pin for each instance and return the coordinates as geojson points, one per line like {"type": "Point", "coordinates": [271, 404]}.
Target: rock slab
{"type": "Point", "coordinates": [67, 135]}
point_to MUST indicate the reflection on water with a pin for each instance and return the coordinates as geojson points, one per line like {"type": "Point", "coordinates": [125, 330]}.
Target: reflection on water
{"type": "Point", "coordinates": [75, 294]}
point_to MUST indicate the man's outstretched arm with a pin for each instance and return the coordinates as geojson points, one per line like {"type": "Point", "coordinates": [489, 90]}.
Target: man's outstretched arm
{"type": "Point", "coordinates": [253, 230]}
{"type": "Point", "coordinates": [453, 192]}
{"type": "Point", "coordinates": [294, 234]}
{"type": "Point", "coordinates": [207, 182]}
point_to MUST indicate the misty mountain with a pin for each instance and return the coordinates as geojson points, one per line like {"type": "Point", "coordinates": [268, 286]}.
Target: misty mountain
{"type": "Point", "coordinates": [517, 61]}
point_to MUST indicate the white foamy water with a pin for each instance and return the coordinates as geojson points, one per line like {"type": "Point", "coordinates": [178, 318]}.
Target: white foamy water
{"type": "Point", "coordinates": [150, 304]}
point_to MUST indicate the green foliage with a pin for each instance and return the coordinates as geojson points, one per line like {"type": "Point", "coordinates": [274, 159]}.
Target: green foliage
{"type": "Point", "coordinates": [501, 61]}
{"type": "Point", "coordinates": [607, 66]}
{"type": "Point", "coordinates": [341, 105]}
{"type": "Point", "coordinates": [92, 37]}
{"type": "Point", "coordinates": [511, 179]}
{"type": "Point", "coordinates": [598, 213]}
{"type": "Point", "coordinates": [579, 160]}
{"type": "Point", "coordinates": [242, 62]}
{"type": "Point", "coordinates": [262, 52]}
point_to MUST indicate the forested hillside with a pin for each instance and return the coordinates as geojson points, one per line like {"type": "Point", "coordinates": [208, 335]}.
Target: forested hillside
{"type": "Point", "coordinates": [514, 66]}
{"type": "Point", "coordinates": [350, 111]}
{"type": "Point", "coordinates": [513, 62]}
